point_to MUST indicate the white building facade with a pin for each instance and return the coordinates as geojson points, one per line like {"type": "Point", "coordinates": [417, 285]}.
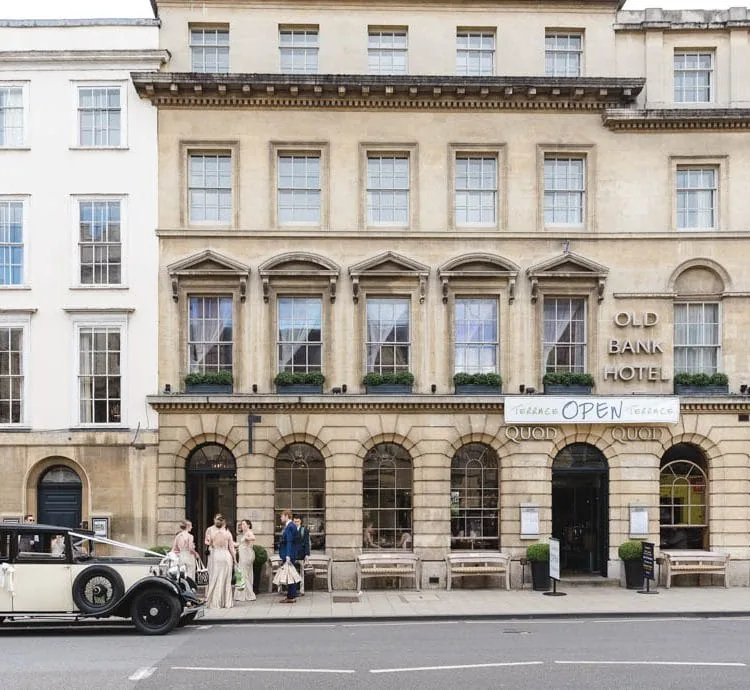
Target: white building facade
{"type": "Point", "coordinates": [78, 273]}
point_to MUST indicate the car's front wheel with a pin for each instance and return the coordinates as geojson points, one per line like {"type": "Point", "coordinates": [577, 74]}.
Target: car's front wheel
{"type": "Point", "coordinates": [155, 611]}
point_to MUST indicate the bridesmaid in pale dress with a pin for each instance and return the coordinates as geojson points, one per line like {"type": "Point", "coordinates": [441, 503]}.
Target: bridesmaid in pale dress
{"type": "Point", "coordinates": [245, 541]}
{"type": "Point", "coordinates": [220, 566]}
{"type": "Point", "coordinates": [184, 547]}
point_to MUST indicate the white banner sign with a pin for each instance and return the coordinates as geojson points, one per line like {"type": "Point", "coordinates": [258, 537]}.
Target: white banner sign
{"type": "Point", "coordinates": [553, 409]}
{"type": "Point", "coordinates": [554, 559]}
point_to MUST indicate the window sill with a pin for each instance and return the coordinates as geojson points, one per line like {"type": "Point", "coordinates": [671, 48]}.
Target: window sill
{"type": "Point", "coordinates": [15, 287]}
{"type": "Point", "coordinates": [389, 228]}
{"type": "Point", "coordinates": [15, 148]}
{"type": "Point", "coordinates": [99, 287]}
{"type": "Point", "coordinates": [10, 428]}
{"type": "Point", "coordinates": [100, 427]}
{"type": "Point", "coordinates": [210, 225]}
{"type": "Point", "coordinates": [697, 229]}
{"type": "Point", "coordinates": [98, 148]}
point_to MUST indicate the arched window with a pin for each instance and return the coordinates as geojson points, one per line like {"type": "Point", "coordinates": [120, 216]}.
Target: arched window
{"type": "Point", "coordinates": [301, 486]}
{"type": "Point", "coordinates": [683, 499]}
{"type": "Point", "coordinates": [387, 498]}
{"type": "Point", "coordinates": [474, 498]}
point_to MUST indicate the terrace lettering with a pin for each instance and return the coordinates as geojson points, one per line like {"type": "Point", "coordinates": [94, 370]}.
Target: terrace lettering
{"type": "Point", "coordinates": [635, 346]}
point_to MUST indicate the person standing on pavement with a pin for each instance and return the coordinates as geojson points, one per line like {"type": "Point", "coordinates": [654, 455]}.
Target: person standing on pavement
{"type": "Point", "coordinates": [246, 558]}
{"type": "Point", "coordinates": [220, 567]}
{"type": "Point", "coordinates": [288, 547]}
{"type": "Point", "coordinates": [305, 546]}
{"type": "Point", "coordinates": [184, 547]}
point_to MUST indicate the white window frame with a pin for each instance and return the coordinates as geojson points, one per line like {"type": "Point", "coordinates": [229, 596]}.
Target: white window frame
{"type": "Point", "coordinates": [557, 35]}
{"type": "Point", "coordinates": [294, 49]}
{"type": "Point", "coordinates": [282, 156]}
{"type": "Point", "coordinates": [197, 294]}
{"type": "Point", "coordinates": [464, 55]}
{"type": "Point", "coordinates": [217, 49]}
{"type": "Point", "coordinates": [680, 91]}
{"type": "Point", "coordinates": [702, 347]}
{"type": "Point", "coordinates": [24, 241]}
{"type": "Point", "coordinates": [122, 88]}
{"type": "Point", "coordinates": [22, 322]}
{"type": "Point", "coordinates": [24, 88]}
{"type": "Point", "coordinates": [695, 193]}
{"type": "Point", "coordinates": [478, 344]}
{"type": "Point", "coordinates": [578, 367]}
{"type": "Point", "coordinates": [380, 369]}
{"type": "Point", "coordinates": [85, 320]}
{"type": "Point", "coordinates": [306, 343]}
{"type": "Point", "coordinates": [76, 222]}
{"type": "Point", "coordinates": [384, 55]}
{"type": "Point", "coordinates": [568, 192]}
{"type": "Point", "coordinates": [379, 192]}
{"type": "Point", "coordinates": [476, 192]}
{"type": "Point", "coordinates": [218, 154]}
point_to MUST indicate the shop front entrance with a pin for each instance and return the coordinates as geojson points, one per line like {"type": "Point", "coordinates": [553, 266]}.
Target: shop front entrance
{"type": "Point", "coordinates": [211, 487]}
{"type": "Point", "coordinates": [580, 507]}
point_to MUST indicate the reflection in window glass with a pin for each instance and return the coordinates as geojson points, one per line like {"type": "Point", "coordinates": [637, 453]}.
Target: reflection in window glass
{"type": "Point", "coordinates": [388, 335]}
{"type": "Point", "coordinates": [299, 338]}
{"type": "Point", "coordinates": [564, 334]}
{"type": "Point", "coordinates": [476, 336]}
{"type": "Point", "coordinates": [210, 341]}
{"type": "Point", "coordinates": [474, 498]}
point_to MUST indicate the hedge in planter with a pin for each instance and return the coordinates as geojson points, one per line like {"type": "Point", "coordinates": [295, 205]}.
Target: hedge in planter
{"type": "Point", "coordinates": [631, 554]}
{"type": "Point", "coordinates": [299, 382]}
{"type": "Point", "coordinates": [473, 384]}
{"type": "Point", "coordinates": [398, 382]}
{"type": "Point", "coordinates": [209, 382]}
{"type": "Point", "coordinates": [538, 557]}
{"type": "Point", "coordinates": [567, 383]}
{"type": "Point", "coordinates": [701, 384]}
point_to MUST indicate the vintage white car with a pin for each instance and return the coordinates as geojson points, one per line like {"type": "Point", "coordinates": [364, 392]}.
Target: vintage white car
{"type": "Point", "coordinates": [53, 572]}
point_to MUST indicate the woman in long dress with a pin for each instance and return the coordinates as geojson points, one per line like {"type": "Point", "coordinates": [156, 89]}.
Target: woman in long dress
{"type": "Point", "coordinates": [220, 566]}
{"type": "Point", "coordinates": [184, 547]}
{"type": "Point", "coordinates": [245, 541]}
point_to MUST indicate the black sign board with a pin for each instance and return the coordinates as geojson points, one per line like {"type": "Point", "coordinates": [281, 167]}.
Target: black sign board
{"type": "Point", "coordinates": [648, 560]}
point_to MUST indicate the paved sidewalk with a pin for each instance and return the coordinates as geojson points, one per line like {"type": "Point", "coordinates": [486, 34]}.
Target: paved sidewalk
{"type": "Point", "coordinates": [488, 603]}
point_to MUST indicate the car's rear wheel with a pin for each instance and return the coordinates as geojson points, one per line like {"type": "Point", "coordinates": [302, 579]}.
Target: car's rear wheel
{"type": "Point", "coordinates": [155, 611]}
{"type": "Point", "coordinates": [96, 588]}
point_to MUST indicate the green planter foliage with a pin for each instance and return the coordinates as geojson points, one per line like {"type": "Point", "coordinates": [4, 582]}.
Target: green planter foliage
{"type": "Point", "coordinates": [630, 550]}
{"type": "Point", "coordinates": [701, 380]}
{"type": "Point", "coordinates": [296, 378]}
{"type": "Point", "coordinates": [163, 550]}
{"type": "Point", "coordinates": [401, 378]}
{"type": "Point", "coordinates": [463, 379]}
{"type": "Point", "coordinates": [261, 556]}
{"type": "Point", "coordinates": [568, 378]}
{"type": "Point", "coordinates": [216, 378]}
{"type": "Point", "coordinates": [537, 553]}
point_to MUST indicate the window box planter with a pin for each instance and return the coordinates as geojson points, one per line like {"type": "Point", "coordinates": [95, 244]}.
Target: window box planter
{"type": "Point", "coordinates": [390, 389]}
{"type": "Point", "coordinates": [299, 383]}
{"type": "Point", "coordinates": [300, 389]}
{"type": "Point", "coordinates": [477, 384]}
{"type": "Point", "coordinates": [477, 389]}
{"type": "Point", "coordinates": [216, 382]}
{"type": "Point", "coordinates": [206, 388]}
{"type": "Point", "coordinates": [567, 383]}
{"type": "Point", "coordinates": [701, 384]}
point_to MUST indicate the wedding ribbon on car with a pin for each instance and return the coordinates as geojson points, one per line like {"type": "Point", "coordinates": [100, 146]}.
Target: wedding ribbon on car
{"type": "Point", "coordinates": [7, 578]}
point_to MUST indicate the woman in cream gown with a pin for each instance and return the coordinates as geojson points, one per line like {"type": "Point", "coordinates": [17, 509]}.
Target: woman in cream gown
{"type": "Point", "coordinates": [184, 547]}
{"type": "Point", "coordinates": [245, 541]}
{"type": "Point", "coordinates": [220, 566]}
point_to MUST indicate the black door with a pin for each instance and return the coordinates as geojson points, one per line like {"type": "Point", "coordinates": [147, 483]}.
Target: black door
{"type": "Point", "coordinates": [59, 498]}
{"type": "Point", "coordinates": [580, 509]}
{"type": "Point", "coordinates": [210, 488]}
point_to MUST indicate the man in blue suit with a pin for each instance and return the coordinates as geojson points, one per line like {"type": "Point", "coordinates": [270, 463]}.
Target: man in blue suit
{"type": "Point", "coordinates": [288, 547]}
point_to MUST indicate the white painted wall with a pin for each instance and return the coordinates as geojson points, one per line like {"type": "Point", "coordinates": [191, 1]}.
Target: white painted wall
{"type": "Point", "coordinates": [50, 174]}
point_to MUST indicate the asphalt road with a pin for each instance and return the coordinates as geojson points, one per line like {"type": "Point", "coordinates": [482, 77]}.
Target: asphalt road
{"type": "Point", "coordinates": [652, 653]}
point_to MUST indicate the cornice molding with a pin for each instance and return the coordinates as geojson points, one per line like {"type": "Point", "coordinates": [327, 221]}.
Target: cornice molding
{"type": "Point", "coordinates": [356, 91]}
{"type": "Point", "coordinates": [663, 119]}
{"type": "Point", "coordinates": [243, 404]}
{"type": "Point", "coordinates": [147, 58]}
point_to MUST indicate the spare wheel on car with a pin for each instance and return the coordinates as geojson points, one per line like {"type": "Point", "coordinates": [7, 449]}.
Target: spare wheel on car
{"type": "Point", "coordinates": [96, 587]}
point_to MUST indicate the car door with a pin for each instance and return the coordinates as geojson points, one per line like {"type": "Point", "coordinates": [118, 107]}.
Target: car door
{"type": "Point", "coordinates": [42, 574]}
{"type": "Point", "coordinates": [6, 579]}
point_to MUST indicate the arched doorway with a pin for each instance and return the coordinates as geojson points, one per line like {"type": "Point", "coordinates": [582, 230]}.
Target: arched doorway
{"type": "Point", "coordinates": [59, 497]}
{"type": "Point", "coordinates": [210, 487]}
{"type": "Point", "coordinates": [683, 498]}
{"type": "Point", "coordinates": [580, 507]}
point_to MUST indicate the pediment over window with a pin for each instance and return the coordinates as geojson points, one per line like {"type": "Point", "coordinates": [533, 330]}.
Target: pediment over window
{"type": "Point", "coordinates": [389, 265]}
{"type": "Point", "coordinates": [296, 265]}
{"type": "Point", "coordinates": [478, 266]}
{"type": "Point", "coordinates": [568, 266]}
{"type": "Point", "coordinates": [208, 265]}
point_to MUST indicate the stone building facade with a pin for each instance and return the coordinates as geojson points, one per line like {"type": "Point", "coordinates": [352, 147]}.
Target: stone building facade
{"type": "Point", "coordinates": [442, 188]}
{"type": "Point", "coordinates": [78, 266]}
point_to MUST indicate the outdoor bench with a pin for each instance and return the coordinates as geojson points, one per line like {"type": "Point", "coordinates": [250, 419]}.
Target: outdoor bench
{"type": "Point", "coordinates": [689, 562]}
{"type": "Point", "coordinates": [468, 563]}
{"type": "Point", "coordinates": [388, 564]}
{"type": "Point", "coordinates": [317, 563]}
